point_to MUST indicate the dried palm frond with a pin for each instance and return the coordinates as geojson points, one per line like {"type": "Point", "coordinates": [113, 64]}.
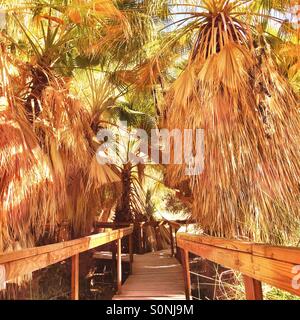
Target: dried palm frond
{"type": "Point", "coordinates": [48, 166]}
{"type": "Point", "coordinates": [69, 138]}
{"type": "Point", "coordinates": [25, 173]}
{"type": "Point", "coordinates": [145, 75]}
{"type": "Point", "coordinates": [250, 117]}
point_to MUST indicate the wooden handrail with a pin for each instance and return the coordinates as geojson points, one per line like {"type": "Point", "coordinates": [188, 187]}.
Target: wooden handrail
{"type": "Point", "coordinates": [257, 262]}
{"type": "Point", "coordinates": [139, 226]}
{"type": "Point", "coordinates": [20, 263]}
{"type": "Point", "coordinates": [111, 225]}
{"type": "Point", "coordinates": [174, 226]}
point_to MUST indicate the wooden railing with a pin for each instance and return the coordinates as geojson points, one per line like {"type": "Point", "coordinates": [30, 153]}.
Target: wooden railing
{"type": "Point", "coordinates": [23, 262]}
{"type": "Point", "coordinates": [257, 262]}
{"type": "Point", "coordinates": [139, 227]}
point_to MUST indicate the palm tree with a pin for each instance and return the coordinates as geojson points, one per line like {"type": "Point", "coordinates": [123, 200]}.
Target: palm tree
{"type": "Point", "coordinates": [57, 39]}
{"type": "Point", "coordinates": [231, 87]}
{"type": "Point", "coordinates": [130, 161]}
{"type": "Point", "coordinates": [61, 130]}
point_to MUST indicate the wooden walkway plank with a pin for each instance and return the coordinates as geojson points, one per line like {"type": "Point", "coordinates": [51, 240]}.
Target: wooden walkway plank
{"type": "Point", "coordinates": [155, 276]}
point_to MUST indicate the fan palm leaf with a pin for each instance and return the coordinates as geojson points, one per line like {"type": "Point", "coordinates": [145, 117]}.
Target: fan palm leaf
{"type": "Point", "coordinates": [250, 185]}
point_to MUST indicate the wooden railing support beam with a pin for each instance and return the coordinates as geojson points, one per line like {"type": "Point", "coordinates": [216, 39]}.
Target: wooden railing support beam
{"type": "Point", "coordinates": [75, 278]}
{"type": "Point", "coordinates": [119, 266]}
{"type": "Point", "coordinates": [141, 238]}
{"type": "Point", "coordinates": [177, 253]}
{"type": "Point", "coordinates": [113, 249]}
{"type": "Point", "coordinates": [186, 273]}
{"type": "Point", "coordinates": [130, 253]}
{"type": "Point", "coordinates": [253, 288]}
{"type": "Point", "coordinates": [171, 240]}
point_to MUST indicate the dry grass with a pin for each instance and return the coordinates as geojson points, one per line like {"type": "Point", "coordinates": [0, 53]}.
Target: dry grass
{"type": "Point", "coordinates": [214, 282]}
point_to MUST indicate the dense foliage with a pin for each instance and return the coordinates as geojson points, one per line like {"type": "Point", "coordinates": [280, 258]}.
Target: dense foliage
{"type": "Point", "coordinates": [71, 67]}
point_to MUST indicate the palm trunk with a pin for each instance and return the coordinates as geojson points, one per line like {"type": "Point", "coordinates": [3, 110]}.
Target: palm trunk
{"type": "Point", "coordinates": [40, 81]}
{"type": "Point", "coordinates": [123, 212]}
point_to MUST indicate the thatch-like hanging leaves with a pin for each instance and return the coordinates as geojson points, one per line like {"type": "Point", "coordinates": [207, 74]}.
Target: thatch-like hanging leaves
{"type": "Point", "coordinates": [250, 184]}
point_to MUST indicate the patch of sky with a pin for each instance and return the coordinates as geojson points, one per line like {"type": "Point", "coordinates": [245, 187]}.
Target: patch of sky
{"type": "Point", "coordinates": [181, 11]}
{"type": "Point", "coordinates": [2, 19]}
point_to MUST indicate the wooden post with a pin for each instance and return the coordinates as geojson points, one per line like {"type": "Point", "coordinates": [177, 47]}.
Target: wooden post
{"type": "Point", "coordinates": [158, 237]}
{"type": "Point", "coordinates": [177, 254]}
{"type": "Point", "coordinates": [141, 238]}
{"type": "Point", "coordinates": [155, 227]}
{"type": "Point", "coordinates": [113, 260]}
{"type": "Point", "coordinates": [75, 278]}
{"type": "Point", "coordinates": [186, 273]}
{"type": "Point", "coordinates": [144, 239]}
{"type": "Point", "coordinates": [130, 252]}
{"type": "Point", "coordinates": [253, 288]}
{"type": "Point", "coordinates": [119, 265]}
{"type": "Point", "coordinates": [171, 240]}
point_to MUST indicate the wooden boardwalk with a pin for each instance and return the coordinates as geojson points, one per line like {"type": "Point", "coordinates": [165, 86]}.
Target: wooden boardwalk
{"type": "Point", "coordinates": [155, 276]}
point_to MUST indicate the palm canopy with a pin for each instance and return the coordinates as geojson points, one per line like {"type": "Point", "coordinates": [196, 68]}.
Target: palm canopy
{"type": "Point", "coordinates": [56, 40]}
